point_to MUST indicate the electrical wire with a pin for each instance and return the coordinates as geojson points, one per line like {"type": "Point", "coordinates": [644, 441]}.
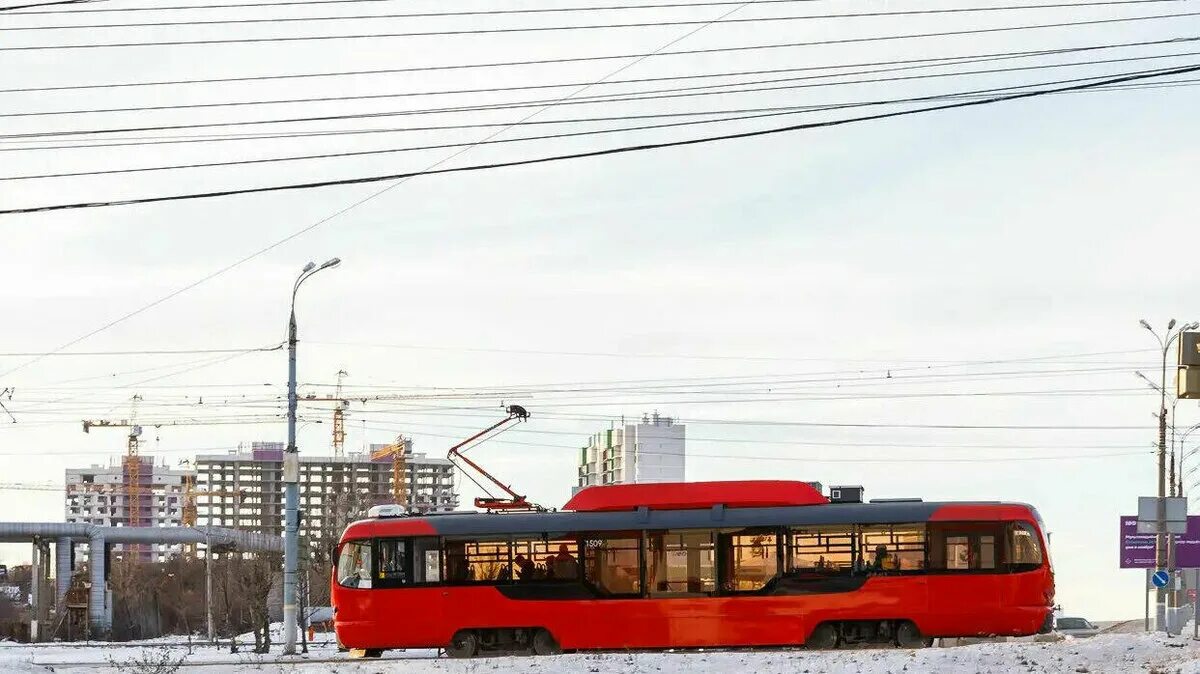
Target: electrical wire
{"type": "Point", "coordinates": [365, 17]}
{"type": "Point", "coordinates": [137, 352]}
{"type": "Point", "coordinates": [373, 195]}
{"type": "Point", "coordinates": [741, 440]}
{"type": "Point", "coordinates": [811, 459]}
{"type": "Point", "coordinates": [528, 29]}
{"type": "Point", "coordinates": [499, 64]}
{"type": "Point", "coordinates": [306, 3]}
{"type": "Point", "coordinates": [43, 4]}
{"type": "Point", "coordinates": [598, 153]}
{"type": "Point", "coordinates": [647, 94]}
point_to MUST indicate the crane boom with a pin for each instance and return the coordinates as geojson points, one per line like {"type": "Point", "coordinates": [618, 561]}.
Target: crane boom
{"type": "Point", "coordinates": [396, 451]}
{"type": "Point", "coordinates": [514, 501]}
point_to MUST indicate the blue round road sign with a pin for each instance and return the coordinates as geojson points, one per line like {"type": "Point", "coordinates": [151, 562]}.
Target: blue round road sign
{"type": "Point", "coordinates": [1160, 578]}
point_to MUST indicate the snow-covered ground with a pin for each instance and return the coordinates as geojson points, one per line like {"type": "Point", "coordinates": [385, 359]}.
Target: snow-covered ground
{"type": "Point", "coordinates": [1140, 653]}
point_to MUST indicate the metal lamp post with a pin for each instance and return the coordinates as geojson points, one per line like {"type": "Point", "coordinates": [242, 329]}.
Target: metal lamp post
{"type": "Point", "coordinates": [291, 475]}
{"type": "Point", "coordinates": [1161, 540]}
{"type": "Point", "coordinates": [1174, 403]}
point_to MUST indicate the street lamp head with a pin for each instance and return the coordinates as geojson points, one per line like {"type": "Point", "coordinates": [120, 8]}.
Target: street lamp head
{"type": "Point", "coordinates": [309, 267]}
{"type": "Point", "coordinates": [1171, 324]}
{"type": "Point", "coordinates": [1191, 326]}
{"type": "Point", "coordinates": [1144, 324]}
{"type": "Point", "coordinates": [331, 262]}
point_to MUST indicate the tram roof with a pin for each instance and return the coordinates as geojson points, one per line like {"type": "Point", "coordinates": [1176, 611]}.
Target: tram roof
{"type": "Point", "coordinates": [690, 506]}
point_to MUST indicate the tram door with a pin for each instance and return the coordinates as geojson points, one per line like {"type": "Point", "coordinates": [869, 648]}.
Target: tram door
{"type": "Point", "coordinates": [965, 560]}
{"type": "Point", "coordinates": [410, 566]}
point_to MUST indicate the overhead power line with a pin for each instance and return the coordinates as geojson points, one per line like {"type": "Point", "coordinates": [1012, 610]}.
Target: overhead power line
{"type": "Point", "coordinates": [365, 17]}
{"type": "Point", "coordinates": [567, 134]}
{"type": "Point", "coordinates": [373, 195]}
{"type": "Point", "coordinates": [504, 64]}
{"type": "Point", "coordinates": [528, 29]}
{"type": "Point", "coordinates": [43, 4]}
{"type": "Point", "coordinates": [137, 352]}
{"type": "Point", "coordinates": [306, 3]}
{"type": "Point", "coordinates": [647, 94]}
{"type": "Point", "coordinates": [609, 151]}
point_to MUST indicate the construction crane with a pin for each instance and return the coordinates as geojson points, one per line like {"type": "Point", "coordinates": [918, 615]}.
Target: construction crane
{"type": "Point", "coordinates": [339, 418]}
{"type": "Point", "coordinates": [514, 501]}
{"type": "Point", "coordinates": [132, 462]}
{"type": "Point", "coordinates": [396, 451]}
{"type": "Point", "coordinates": [190, 493]}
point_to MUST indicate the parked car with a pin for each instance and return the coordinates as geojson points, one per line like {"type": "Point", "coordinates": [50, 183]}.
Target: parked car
{"type": "Point", "coordinates": [1075, 627]}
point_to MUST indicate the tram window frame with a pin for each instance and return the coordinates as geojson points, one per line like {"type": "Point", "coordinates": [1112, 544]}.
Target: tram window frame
{"type": "Point", "coordinates": [730, 540]}
{"type": "Point", "coordinates": [591, 572]}
{"type": "Point", "coordinates": [686, 538]}
{"type": "Point", "coordinates": [543, 551]}
{"type": "Point", "coordinates": [364, 550]}
{"type": "Point", "coordinates": [975, 538]}
{"type": "Point", "coordinates": [387, 573]}
{"type": "Point", "coordinates": [900, 546]}
{"type": "Point", "coordinates": [417, 565]}
{"type": "Point", "coordinates": [1029, 530]}
{"type": "Point", "coordinates": [833, 534]}
{"type": "Point", "coordinates": [503, 561]}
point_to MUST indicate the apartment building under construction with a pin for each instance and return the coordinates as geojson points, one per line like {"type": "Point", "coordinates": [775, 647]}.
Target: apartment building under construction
{"type": "Point", "coordinates": [244, 490]}
{"type": "Point", "coordinates": [101, 495]}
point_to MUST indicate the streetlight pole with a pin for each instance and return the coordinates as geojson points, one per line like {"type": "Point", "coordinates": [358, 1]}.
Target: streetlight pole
{"type": "Point", "coordinates": [291, 475]}
{"type": "Point", "coordinates": [1161, 540]}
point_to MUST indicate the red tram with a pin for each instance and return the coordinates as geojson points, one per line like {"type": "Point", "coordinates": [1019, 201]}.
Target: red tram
{"type": "Point", "coordinates": [685, 565]}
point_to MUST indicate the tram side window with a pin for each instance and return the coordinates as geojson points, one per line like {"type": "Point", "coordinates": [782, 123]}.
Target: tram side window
{"type": "Point", "coordinates": [1025, 553]}
{"type": "Point", "coordinates": [393, 563]}
{"type": "Point", "coordinates": [888, 547]}
{"type": "Point", "coordinates": [354, 564]}
{"type": "Point", "coordinates": [681, 562]}
{"type": "Point", "coordinates": [966, 546]}
{"type": "Point", "coordinates": [426, 560]}
{"type": "Point", "coordinates": [823, 550]}
{"type": "Point", "coordinates": [551, 557]}
{"type": "Point", "coordinates": [611, 562]}
{"type": "Point", "coordinates": [750, 559]}
{"type": "Point", "coordinates": [477, 561]}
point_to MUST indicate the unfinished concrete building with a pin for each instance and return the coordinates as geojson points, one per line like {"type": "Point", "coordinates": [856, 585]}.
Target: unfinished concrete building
{"type": "Point", "coordinates": [99, 495]}
{"type": "Point", "coordinates": [244, 490]}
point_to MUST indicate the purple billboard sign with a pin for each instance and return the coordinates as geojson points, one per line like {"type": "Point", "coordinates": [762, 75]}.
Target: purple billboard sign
{"type": "Point", "coordinates": [1137, 550]}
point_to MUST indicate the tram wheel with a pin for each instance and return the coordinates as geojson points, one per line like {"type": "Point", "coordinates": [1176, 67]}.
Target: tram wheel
{"type": "Point", "coordinates": [464, 644]}
{"type": "Point", "coordinates": [824, 637]}
{"type": "Point", "coordinates": [908, 636]}
{"type": "Point", "coordinates": [544, 643]}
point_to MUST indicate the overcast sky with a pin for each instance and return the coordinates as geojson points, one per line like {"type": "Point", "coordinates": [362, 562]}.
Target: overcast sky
{"type": "Point", "coordinates": [1035, 228]}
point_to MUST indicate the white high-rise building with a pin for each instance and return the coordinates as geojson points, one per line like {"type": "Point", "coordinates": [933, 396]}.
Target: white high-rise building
{"type": "Point", "coordinates": [649, 451]}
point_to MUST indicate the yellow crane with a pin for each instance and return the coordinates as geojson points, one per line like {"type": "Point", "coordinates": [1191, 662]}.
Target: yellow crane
{"type": "Point", "coordinates": [132, 462]}
{"type": "Point", "coordinates": [397, 451]}
{"type": "Point", "coordinates": [339, 418]}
